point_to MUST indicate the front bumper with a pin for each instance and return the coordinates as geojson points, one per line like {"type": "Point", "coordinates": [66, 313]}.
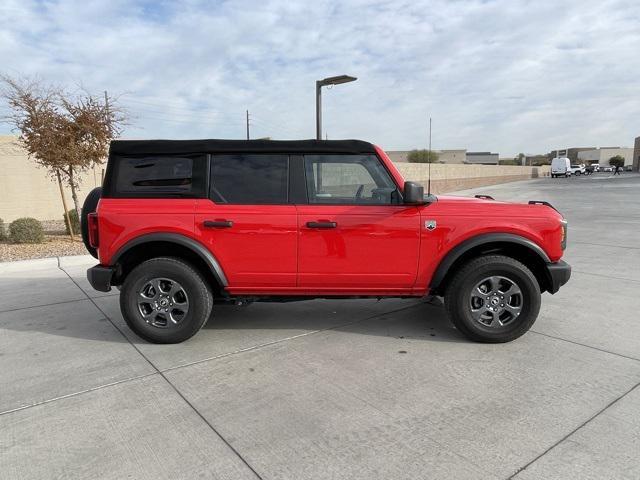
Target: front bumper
{"type": "Point", "coordinates": [100, 277]}
{"type": "Point", "coordinates": [559, 274]}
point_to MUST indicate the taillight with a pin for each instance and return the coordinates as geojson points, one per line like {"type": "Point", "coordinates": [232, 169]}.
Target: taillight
{"type": "Point", "coordinates": [92, 221]}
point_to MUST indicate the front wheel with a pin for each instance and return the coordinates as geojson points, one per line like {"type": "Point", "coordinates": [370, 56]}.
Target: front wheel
{"type": "Point", "coordinates": [165, 300]}
{"type": "Point", "coordinates": [493, 299]}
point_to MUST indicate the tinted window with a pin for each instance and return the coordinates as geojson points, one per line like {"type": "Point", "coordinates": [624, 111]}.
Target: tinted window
{"type": "Point", "coordinates": [159, 175]}
{"type": "Point", "coordinates": [348, 179]}
{"type": "Point", "coordinates": [249, 179]}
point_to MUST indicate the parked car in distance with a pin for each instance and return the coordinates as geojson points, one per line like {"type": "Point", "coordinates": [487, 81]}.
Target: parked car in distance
{"type": "Point", "coordinates": [181, 225]}
{"type": "Point", "coordinates": [560, 167]}
{"type": "Point", "coordinates": [577, 169]}
{"type": "Point", "coordinates": [628, 168]}
{"type": "Point", "coordinates": [607, 168]}
{"type": "Point", "coordinates": [596, 167]}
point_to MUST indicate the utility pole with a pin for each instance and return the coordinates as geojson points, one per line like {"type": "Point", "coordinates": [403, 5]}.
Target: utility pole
{"type": "Point", "coordinates": [247, 124]}
{"type": "Point", "coordinates": [106, 108]}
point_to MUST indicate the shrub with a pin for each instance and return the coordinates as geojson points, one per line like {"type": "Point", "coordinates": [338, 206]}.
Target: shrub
{"type": "Point", "coordinates": [75, 221]}
{"type": "Point", "coordinates": [3, 234]}
{"type": "Point", "coordinates": [26, 230]}
{"type": "Point", "coordinates": [422, 156]}
{"type": "Point", "coordinates": [617, 161]}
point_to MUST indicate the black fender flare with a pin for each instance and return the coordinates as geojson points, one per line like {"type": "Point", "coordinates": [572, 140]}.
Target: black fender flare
{"type": "Point", "coordinates": [179, 239]}
{"type": "Point", "coordinates": [483, 239]}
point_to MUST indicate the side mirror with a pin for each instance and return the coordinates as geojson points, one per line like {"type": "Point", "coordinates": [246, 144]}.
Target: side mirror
{"type": "Point", "coordinates": [413, 193]}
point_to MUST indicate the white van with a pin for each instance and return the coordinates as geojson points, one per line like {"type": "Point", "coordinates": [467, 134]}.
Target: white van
{"type": "Point", "coordinates": [560, 167]}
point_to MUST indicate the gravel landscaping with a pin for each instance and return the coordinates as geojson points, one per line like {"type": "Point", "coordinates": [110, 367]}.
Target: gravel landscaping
{"type": "Point", "coordinates": [53, 246]}
{"type": "Point", "coordinates": [57, 244]}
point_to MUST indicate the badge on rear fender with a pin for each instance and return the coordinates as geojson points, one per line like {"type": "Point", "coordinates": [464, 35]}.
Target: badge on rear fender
{"type": "Point", "coordinates": [430, 224]}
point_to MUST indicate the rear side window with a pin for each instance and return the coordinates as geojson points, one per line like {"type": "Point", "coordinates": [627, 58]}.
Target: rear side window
{"type": "Point", "coordinates": [160, 175]}
{"type": "Point", "coordinates": [249, 179]}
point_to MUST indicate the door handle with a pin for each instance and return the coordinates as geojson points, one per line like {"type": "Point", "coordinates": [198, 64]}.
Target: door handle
{"type": "Point", "coordinates": [217, 224]}
{"type": "Point", "coordinates": [322, 224]}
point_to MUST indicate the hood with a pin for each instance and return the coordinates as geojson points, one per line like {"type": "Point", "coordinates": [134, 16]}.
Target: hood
{"type": "Point", "coordinates": [487, 205]}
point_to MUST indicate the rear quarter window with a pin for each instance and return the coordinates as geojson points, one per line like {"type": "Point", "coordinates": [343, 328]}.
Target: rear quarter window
{"type": "Point", "coordinates": [159, 176]}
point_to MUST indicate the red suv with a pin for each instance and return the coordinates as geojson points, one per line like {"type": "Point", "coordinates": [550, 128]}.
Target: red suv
{"type": "Point", "coordinates": [180, 225]}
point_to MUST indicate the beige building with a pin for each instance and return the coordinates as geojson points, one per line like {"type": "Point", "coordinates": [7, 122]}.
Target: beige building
{"type": "Point", "coordinates": [482, 158]}
{"type": "Point", "coordinates": [451, 156]}
{"type": "Point", "coordinates": [603, 154]}
{"type": "Point", "coordinates": [444, 156]}
{"type": "Point", "coordinates": [26, 190]}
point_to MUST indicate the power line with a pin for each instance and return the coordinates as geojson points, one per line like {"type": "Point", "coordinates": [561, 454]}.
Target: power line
{"type": "Point", "coordinates": [169, 112]}
{"type": "Point", "coordinates": [282, 128]}
{"type": "Point", "coordinates": [185, 121]}
{"type": "Point", "coordinates": [162, 103]}
{"type": "Point", "coordinates": [181, 113]}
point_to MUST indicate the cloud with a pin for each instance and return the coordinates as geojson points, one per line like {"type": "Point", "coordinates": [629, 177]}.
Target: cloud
{"type": "Point", "coordinates": [503, 75]}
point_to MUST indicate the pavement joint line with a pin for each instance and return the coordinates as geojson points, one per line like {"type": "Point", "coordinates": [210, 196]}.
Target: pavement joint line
{"type": "Point", "coordinates": [586, 346]}
{"type": "Point", "coordinates": [606, 276]}
{"type": "Point", "coordinates": [583, 424]}
{"type": "Point", "coordinates": [44, 305]}
{"type": "Point", "coordinates": [605, 245]}
{"type": "Point", "coordinates": [75, 394]}
{"type": "Point", "coordinates": [157, 370]}
{"type": "Point", "coordinates": [281, 340]}
{"type": "Point", "coordinates": [396, 418]}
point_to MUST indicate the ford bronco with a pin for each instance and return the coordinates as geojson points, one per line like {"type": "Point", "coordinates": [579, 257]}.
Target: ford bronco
{"type": "Point", "coordinates": [181, 225]}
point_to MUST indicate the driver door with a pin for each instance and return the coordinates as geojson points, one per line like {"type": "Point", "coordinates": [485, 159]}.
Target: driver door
{"type": "Point", "coordinates": [354, 232]}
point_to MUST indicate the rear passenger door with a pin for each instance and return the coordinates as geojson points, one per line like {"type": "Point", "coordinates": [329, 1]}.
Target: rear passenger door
{"type": "Point", "coordinates": [355, 234]}
{"type": "Point", "coordinates": [248, 223]}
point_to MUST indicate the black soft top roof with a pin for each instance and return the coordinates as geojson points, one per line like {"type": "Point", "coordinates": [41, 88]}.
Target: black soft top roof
{"type": "Point", "coordinates": [138, 147]}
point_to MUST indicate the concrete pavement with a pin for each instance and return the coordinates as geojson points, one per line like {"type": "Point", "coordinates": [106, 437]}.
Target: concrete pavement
{"type": "Point", "coordinates": [334, 389]}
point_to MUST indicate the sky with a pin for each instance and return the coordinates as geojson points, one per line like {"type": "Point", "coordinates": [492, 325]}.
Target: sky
{"type": "Point", "coordinates": [505, 76]}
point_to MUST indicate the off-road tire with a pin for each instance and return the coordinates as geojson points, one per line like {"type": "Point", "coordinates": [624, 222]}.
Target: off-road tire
{"type": "Point", "coordinates": [459, 291]}
{"type": "Point", "coordinates": [200, 299]}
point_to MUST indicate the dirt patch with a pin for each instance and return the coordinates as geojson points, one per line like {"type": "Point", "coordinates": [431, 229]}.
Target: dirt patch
{"type": "Point", "coordinates": [53, 246]}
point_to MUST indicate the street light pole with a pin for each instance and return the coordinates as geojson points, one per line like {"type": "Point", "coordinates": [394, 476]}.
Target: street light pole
{"type": "Point", "coordinates": [319, 84]}
{"type": "Point", "coordinates": [318, 110]}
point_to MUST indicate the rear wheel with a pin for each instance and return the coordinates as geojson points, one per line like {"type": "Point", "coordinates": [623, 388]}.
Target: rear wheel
{"type": "Point", "coordinates": [493, 299]}
{"type": "Point", "coordinates": [165, 300]}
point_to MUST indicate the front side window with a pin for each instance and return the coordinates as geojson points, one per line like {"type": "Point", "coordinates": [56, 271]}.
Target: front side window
{"type": "Point", "coordinates": [249, 179]}
{"type": "Point", "coordinates": [159, 175]}
{"type": "Point", "coordinates": [348, 179]}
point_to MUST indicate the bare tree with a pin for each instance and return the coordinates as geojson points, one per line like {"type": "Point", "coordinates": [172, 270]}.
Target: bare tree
{"type": "Point", "coordinates": [92, 123]}
{"type": "Point", "coordinates": [64, 133]}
